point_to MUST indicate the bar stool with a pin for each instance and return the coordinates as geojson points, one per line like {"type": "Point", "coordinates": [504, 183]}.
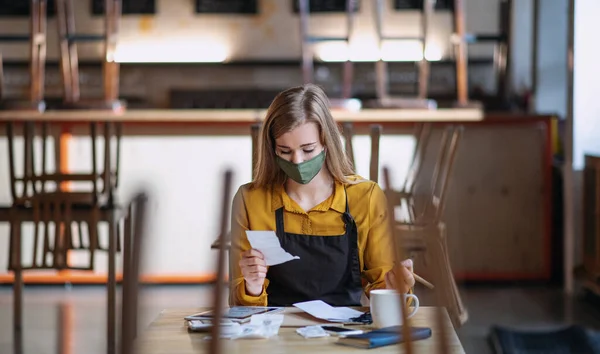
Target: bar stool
{"type": "Point", "coordinates": [69, 61]}
{"type": "Point", "coordinates": [36, 38]}
{"type": "Point", "coordinates": [39, 198]}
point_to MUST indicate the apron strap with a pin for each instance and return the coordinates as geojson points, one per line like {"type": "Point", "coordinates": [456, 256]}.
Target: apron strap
{"type": "Point", "coordinates": [352, 235]}
{"type": "Point", "coordinates": [279, 227]}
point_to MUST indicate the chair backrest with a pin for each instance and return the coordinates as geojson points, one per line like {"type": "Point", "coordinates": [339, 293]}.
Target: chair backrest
{"type": "Point", "coordinates": [36, 38]}
{"type": "Point", "coordinates": [422, 134]}
{"type": "Point", "coordinates": [428, 192]}
{"type": "Point", "coordinates": [37, 177]}
{"type": "Point", "coordinates": [68, 48]}
{"type": "Point", "coordinates": [53, 237]}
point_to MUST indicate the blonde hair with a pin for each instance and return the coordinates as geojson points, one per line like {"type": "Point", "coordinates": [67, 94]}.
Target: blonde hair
{"type": "Point", "coordinates": [290, 109]}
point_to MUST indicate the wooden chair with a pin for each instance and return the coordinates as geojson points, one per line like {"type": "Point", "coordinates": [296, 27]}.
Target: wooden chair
{"type": "Point", "coordinates": [381, 71]}
{"type": "Point", "coordinates": [425, 232]}
{"type": "Point", "coordinates": [502, 51]}
{"type": "Point", "coordinates": [308, 40]}
{"type": "Point", "coordinates": [254, 133]}
{"type": "Point", "coordinates": [69, 61]}
{"type": "Point", "coordinates": [135, 245]}
{"type": "Point", "coordinates": [442, 291]}
{"type": "Point", "coordinates": [31, 183]}
{"type": "Point", "coordinates": [37, 61]}
{"type": "Point", "coordinates": [348, 133]}
{"type": "Point", "coordinates": [213, 344]}
{"type": "Point", "coordinates": [39, 197]}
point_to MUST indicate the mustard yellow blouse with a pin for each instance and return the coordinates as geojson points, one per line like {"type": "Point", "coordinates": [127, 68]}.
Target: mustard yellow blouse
{"type": "Point", "coordinates": [254, 209]}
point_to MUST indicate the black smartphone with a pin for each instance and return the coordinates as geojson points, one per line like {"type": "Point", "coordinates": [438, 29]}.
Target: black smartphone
{"type": "Point", "coordinates": [341, 331]}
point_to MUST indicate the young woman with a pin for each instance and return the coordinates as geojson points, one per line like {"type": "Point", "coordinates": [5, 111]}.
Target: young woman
{"type": "Point", "coordinates": [306, 191]}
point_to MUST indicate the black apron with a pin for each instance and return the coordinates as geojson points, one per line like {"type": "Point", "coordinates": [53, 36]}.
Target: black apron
{"type": "Point", "coordinates": [328, 268]}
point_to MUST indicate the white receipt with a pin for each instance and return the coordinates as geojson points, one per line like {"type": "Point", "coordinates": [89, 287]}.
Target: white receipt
{"type": "Point", "coordinates": [268, 244]}
{"type": "Point", "coordinates": [322, 310]}
{"type": "Point", "coordinates": [312, 332]}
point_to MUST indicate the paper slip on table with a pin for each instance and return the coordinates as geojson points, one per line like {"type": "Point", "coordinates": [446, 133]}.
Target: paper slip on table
{"type": "Point", "coordinates": [168, 334]}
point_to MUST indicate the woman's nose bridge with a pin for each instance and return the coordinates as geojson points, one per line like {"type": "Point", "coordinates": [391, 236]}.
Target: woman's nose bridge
{"type": "Point", "coordinates": [297, 156]}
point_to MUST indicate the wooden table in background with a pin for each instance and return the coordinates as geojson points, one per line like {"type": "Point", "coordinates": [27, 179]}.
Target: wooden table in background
{"type": "Point", "coordinates": [168, 335]}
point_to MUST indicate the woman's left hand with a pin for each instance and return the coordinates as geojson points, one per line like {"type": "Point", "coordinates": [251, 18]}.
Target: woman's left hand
{"type": "Point", "coordinates": [406, 267]}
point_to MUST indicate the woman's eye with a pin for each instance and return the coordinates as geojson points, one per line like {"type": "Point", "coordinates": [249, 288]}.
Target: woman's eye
{"type": "Point", "coordinates": [309, 151]}
{"type": "Point", "coordinates": [285, 152]}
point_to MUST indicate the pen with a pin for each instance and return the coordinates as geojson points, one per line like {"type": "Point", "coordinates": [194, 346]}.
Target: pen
{"type": "Point", "coordinates": [423, 281]}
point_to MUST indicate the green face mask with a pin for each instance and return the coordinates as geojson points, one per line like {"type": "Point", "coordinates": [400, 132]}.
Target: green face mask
{"type": "Point", "coordinates": [305, 171]}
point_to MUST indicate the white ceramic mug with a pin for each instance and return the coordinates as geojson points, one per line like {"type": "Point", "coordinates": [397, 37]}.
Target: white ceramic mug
{"type": "Point", "coordinates": [385, 307]}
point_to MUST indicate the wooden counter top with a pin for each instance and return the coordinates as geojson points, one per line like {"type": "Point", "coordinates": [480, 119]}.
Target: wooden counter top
{"type": "Point", "coordinates": [240, 115]}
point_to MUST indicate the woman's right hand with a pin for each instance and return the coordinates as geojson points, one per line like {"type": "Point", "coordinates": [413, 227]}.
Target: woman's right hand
{"type": "Point", "coordinates": [254, 270]}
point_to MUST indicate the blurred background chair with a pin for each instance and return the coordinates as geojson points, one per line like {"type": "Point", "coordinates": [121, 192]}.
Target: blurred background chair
{"type": "Point", "coordinates": [69, 60]}
{"type": "Point", "coordinates": [423, 235]}
{"type": "Point", "coordinates": [36, 39]}
{"type": "Point", "coordinates": [61, 205]}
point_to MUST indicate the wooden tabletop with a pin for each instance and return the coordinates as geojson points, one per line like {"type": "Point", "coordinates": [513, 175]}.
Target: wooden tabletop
{"type": "Point", "coordinates": [241, 115]}
{"type": "Point", "coordinates": [168, 335]}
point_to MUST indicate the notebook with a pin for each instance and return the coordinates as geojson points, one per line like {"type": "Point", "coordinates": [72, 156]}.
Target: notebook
{"type": "Point", "coordinates": [383, 336]}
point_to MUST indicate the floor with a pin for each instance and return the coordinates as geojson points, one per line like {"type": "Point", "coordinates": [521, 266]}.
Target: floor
{"type": "Point", "coordinates": [84, 308]}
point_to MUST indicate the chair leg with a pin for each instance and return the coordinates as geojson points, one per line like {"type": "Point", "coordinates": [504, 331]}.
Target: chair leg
{"type": "Point", "coordinates": [130, 282]}
{"type": "Point", "coordinates": [11, 242]}
{"type": "Point", "coordinates": [111, 286]}
{"type": "Point", "coordinates": [17, 287]}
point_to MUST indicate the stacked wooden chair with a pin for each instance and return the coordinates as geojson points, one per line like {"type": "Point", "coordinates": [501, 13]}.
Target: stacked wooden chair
{"type": "Point", "coordinates": [381, 71]}
{"type": "Point", "coordinates": [44, 196]}
{"type": "Point", "coordinates": [69, 61]}
{"type": "Point", "coordinates": [422, 230]}
{"type": "Point", "coordinates": [308, 40]}
{"type": "Point", "coordinates": [36, 39]}
{"type": "Point", "coordinates": [441, 290]}
{"type": "Point", "coordinates": [424, 233]}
